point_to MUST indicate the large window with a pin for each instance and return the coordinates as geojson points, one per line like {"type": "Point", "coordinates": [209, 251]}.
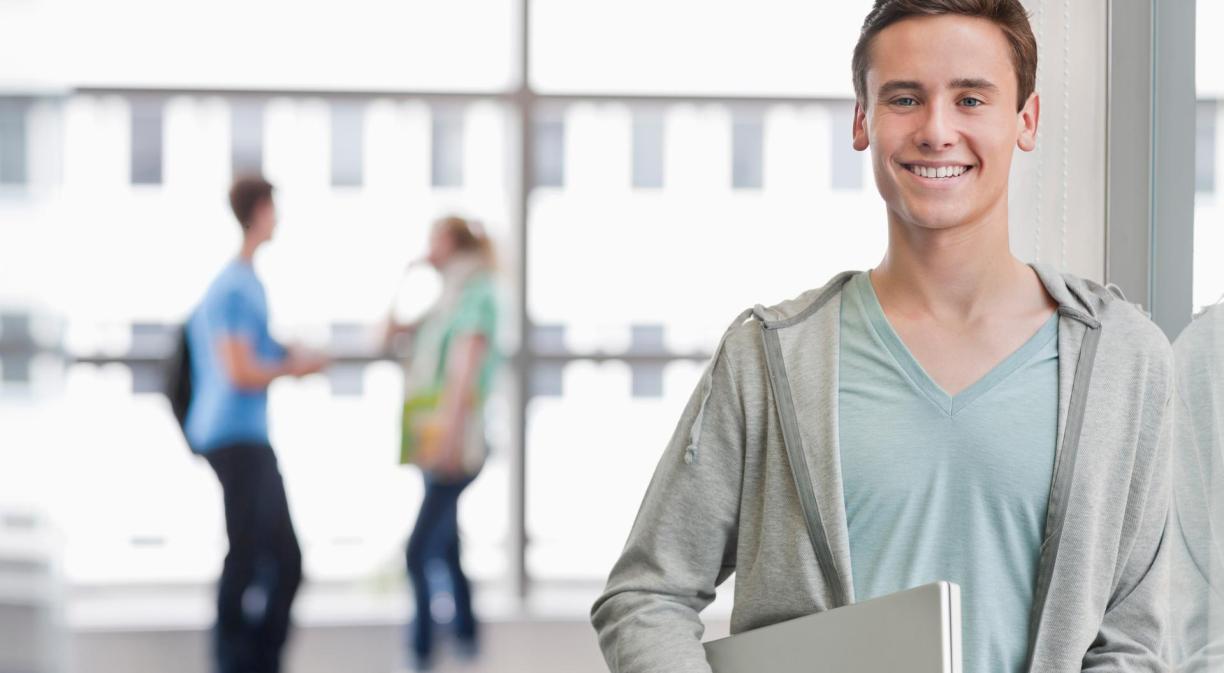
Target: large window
{"type": "Point", "coordinates": [136, 507]}
{"type": "Point", "coordinates": [765, 48]}
{"type": "Point", "coordinates": [1209, 159]}
{"type": "Point", "coordinates": [682, 161]}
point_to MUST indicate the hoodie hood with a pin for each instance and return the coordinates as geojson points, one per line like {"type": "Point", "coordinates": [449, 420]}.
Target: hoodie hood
{"type": "Point", "coordinates": [1078, 298]}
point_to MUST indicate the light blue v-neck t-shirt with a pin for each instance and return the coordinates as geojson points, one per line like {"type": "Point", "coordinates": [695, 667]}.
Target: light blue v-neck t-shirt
{"type": "Point", "coordinates": [947, 488]}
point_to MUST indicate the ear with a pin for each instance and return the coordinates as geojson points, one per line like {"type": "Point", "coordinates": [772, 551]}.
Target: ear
{"type": "Point", "coordinates": [860, 127]}
{"type": "Point", "coordinates": [1026, 121]}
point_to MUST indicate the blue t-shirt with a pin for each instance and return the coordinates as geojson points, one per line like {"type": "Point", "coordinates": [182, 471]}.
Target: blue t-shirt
{"type": "Point", "coordinates": [941, 487]}
{"type": "Point", "coordinates": [220, 413]}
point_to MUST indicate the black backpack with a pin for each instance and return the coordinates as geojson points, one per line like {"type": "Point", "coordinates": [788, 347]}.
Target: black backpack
{"type": "Point", "coordinates": [177, 379]}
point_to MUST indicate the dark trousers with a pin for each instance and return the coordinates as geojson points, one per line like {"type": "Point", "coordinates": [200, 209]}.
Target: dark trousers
{"type": "Point", "coordinates": [263, 562]}
{"type": "Point", "coordinates": [436, 536]}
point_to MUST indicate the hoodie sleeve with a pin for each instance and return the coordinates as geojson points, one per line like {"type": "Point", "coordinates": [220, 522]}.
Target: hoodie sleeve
{"type": "Point", "coordinates": [682, 544]}
{"type": "Point", "coordinates": [1130, 638]}
{"type": "Point", "coordinates": [1196, 599]}
{"type": "Point", "coordinates": [1195, 571]}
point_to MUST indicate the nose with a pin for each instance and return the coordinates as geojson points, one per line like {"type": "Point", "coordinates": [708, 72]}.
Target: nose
{"type": "Point", "coordinates": [937, 131]}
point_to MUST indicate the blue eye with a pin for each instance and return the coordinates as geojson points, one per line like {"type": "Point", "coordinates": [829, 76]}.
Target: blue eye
{"type": "Point", "coordinates": [975, 102]}
{"type": "Point", "coordinates": [905, 101]}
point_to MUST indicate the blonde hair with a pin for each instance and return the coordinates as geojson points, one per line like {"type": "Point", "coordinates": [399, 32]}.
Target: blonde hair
{"type": "Point", "coordinates": [469, 236]}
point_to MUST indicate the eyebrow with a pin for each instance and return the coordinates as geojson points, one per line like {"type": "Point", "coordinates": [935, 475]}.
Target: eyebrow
{"type": "Point", "coordinates": [893, 86]}
{"type": "Point", "coordinates": [973, 83]}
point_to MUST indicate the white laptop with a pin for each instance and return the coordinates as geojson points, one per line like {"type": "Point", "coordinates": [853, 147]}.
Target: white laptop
{"type": "Point", "coordinates": [916, 631]}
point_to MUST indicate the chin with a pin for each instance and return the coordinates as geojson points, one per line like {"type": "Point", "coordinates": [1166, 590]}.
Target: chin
{"type": "Point", "coordinates": [934, 220]}
{"type": "Point", "coordinates": [938, 223]}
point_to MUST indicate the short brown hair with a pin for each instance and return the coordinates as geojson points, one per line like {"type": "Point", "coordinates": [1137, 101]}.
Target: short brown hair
{"type": "Point", "coordinates": [1009, 15]}
{"type": "Point", "coordinates": [246, 194]}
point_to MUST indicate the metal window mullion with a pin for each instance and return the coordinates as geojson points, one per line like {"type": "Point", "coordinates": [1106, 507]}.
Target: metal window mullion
{"type": "Point", "coordinates": [1174, 117]}
{"type": "Point", "coordinates": [436, 96]}
{"type": "Point", "coordinates": [1128, 127]}
{"type": "Point", "coordinates": [1150, 108]}
{"type": "Point", "coordinates": [524, 102]}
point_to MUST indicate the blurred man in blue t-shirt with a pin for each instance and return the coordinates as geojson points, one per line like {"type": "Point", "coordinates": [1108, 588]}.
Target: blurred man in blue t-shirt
{"type": "Point", "coordinates": [233, 359]}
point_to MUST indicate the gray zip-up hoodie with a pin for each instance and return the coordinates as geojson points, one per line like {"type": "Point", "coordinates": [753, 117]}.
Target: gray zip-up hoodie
{"type": "Point", "coordinates": [724, 498]}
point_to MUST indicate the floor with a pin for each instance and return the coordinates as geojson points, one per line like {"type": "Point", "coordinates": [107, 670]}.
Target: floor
{"type": "Point", "coordinates": [337, 630]}
{"type": "Point", "coordinates": [521, 647]}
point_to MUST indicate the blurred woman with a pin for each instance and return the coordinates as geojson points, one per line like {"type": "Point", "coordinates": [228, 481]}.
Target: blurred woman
{"type": "Point", "coordinates": [453, 358]}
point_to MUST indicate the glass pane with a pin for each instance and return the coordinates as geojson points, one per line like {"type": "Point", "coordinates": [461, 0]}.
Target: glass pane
{"type": "Point", "coordinates": [446, 148]}
{"type": "Point", "coordinates": [17, 347]}
{"type": "Point", "coordinates": [465, 45]}
{"type": "Point", "coordinates": [146, 142]}
{"type": "Point", "coordinates": [697, 208]}
{"type": "Point", "coordinates": [1209, 159]}
{"type": "Point", "coordinates": [660, 272]}
{"type": "Point", "coordinates": [647, 149]}
{"type": "Point", "coordinates": [333, 269]}
{"type": "Point", "coordinates": [549, 152]}
{"type": "Point", "coordinates": [747, 147]}
{"type": "Point", "coordinates": [347, 138]}
{"type": "Point", "coordinates": [246, 136]}
{"type": "Point", "coordinates": [769, 47]}
{"type": "Point", "coordinates": [847, 163]}
{"type": "Point", "coordinates": [1205, 147]}
{"type": "Point", "coordinates": [13, 141]}
{"type": "Point", "coordinates": [578, 521]}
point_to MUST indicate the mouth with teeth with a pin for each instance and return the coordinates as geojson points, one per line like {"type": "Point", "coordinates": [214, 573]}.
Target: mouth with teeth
{"type": "Point", "coordinates": [937, 173]}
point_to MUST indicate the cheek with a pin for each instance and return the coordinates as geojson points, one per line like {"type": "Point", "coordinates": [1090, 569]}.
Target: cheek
{"type": "Point", "coordinates": [880, 164]}
{"type": "Point", "coordinates": [997, 158]}
{"type": "Point", "coordinates": [992, 139]}
{"type": "Point", "coordinates": [884, 157]}
{"type": "Point", "coordinates": [885, 141]}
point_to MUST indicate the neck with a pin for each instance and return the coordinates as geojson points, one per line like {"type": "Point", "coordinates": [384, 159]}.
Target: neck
{"type": "Point", "coordinates": [247, 252]}
{"type": "Point", "coordinates": [951, 275]}
{"type": "Point", "coordinates": [460, 266]}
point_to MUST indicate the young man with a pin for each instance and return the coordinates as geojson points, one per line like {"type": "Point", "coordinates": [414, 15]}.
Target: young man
{"type": "Point", "coordinates": [958, 414]}
{"type": "Point", "coordinates": [234, 359]}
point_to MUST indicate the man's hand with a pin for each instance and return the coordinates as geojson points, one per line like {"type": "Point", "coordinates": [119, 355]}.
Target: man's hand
{"type": "Point", "coordinates": [393, 330]}
{"type": "Point", "coordinates": [301, 362]}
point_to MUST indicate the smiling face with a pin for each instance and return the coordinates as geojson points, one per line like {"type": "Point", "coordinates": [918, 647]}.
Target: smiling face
{"type": "Point", "coordinates": [941, 120]}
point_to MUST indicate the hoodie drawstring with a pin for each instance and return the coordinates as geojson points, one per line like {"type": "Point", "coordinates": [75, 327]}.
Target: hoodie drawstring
{"type": "Point", "coordinates": [690, 452]}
